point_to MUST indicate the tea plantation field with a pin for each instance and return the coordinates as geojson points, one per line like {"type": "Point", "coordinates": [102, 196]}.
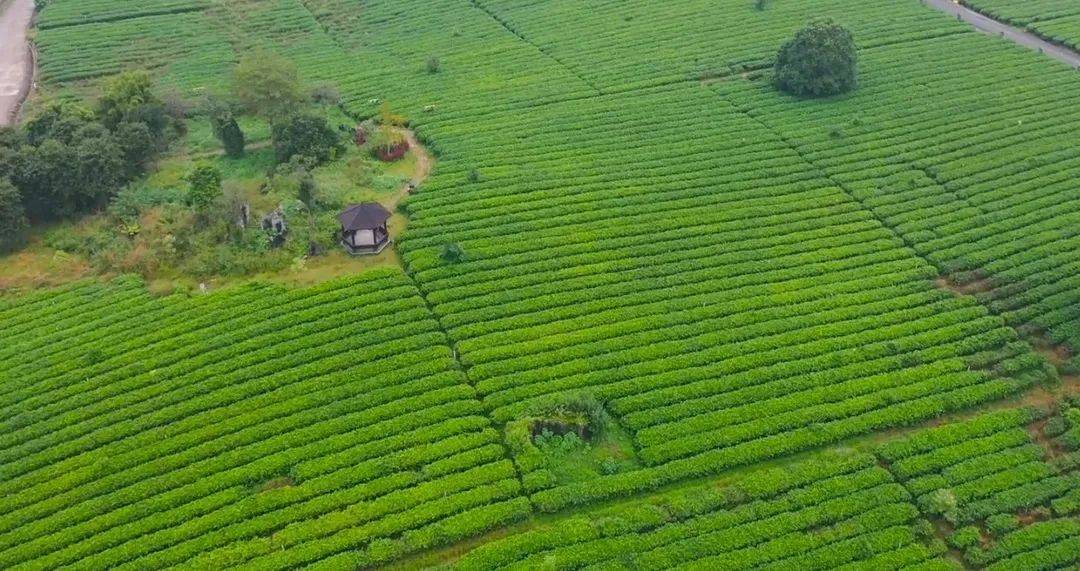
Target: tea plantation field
{"type": "Point", "coordinates": [1055, 20]}
{"type": "Point", "coordinates": [832, 333]}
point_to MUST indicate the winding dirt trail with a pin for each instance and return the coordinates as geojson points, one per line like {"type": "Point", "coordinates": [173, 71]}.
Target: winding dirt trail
{"type": "Point", "coordinates": [16, 59]}
{"type": "Point", "coordinates": [424, 163]}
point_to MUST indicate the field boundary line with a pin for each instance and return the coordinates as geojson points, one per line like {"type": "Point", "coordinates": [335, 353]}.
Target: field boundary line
{"type": "Point", "coordinates": [988, 24]}
{"type": "Point", "coordinates": [476, 4]}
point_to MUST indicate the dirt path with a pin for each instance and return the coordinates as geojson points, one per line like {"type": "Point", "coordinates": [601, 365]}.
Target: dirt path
{"type": "Point", "coordinates": [424, 163]}
{"type": "Point", "coordinates": [16, 60]}
{"type": "Point", "coordinates": [989, 25]}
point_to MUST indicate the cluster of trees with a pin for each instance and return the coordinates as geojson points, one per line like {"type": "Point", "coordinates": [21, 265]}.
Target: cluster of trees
{"type": "Point", "coordinates": [268, 86]}
{"type": "Point", "coordinates": [69, 159]}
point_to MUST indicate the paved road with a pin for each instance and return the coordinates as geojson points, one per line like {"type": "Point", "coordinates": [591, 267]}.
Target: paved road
{"type": "Point", "coordinates": [992, 26]}
{"type": "Point", "coordinates": [16, 63]}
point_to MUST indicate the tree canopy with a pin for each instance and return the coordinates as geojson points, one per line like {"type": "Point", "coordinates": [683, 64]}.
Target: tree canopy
{"type": "Point", "coordinates": [820, 61]}
{"type": "Point", "coordinates": [268, 85]}
{"type": "Point", "coordinates": [307, 136]}
{"type": "Point", "coordinates": [13, 224]}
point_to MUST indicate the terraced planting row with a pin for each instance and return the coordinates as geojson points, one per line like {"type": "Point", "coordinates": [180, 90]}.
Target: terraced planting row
{"type": "Point", "coordinates": [1009, 501]}
{"type": "Point", "coordinates": [372, 51]}
{"type": "Point", "coordinates": [725, 300]}
{"type": "Point", "coordinates": [58, 13]}
{"type": "Point", "coordinates": [836, 512]}
{"type": "Point", "coordinates": [482, 65]}
{"type": "Point", "coordinates": [180, 49]}
{"type": "Point", "coordinates": [1055, 20]}
{"type": "Point", "coordinates": [1009, 478]}
{"type": "Point", "coordinates": [626, 45]}
{"type": "Point", "coordinates": [258, 427]}
{"type": "Point", "coordinates": [977, 173]}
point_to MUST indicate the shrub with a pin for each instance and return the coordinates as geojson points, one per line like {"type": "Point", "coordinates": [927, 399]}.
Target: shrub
{"type": "Point", "coordinates": [1000, 524]}
{"type": "Point", "coordinates": [820, 61]}
{"type": "Point", "coordinates": [452, 254]}
{"type": "Point", "coordinates": [306, 135]}
{"type": "Point", "coordinates": [965, 537]}
{"type": "Point", "coordinates": [433, 65]}
{"type": "Point", "coordinates": [943, 503]}
{"type": "Point", "coordinates": [13, 224]}
{"type": "Point", "coordinates": [204, 186]}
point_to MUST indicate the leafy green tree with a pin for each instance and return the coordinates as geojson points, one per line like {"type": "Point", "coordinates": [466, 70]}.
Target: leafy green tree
{"type": "Point", "coordinates": [268, 85]}
{"type": "Point", "coordinates": [452, 253]}
{"type": "Point", "coordinates": [307, 136]}
{"type": "Point", "coordinates": [204, 186]}
{"type": "Point", "coordinates": [138, 145]}
{"type": "Point", "coordinates": [57, 121]}
{"type": "Point", "coordinates": [129, 97]}
{"type": "Point", "coordinates": [13, 224]}
{"type": "Point", "coordinates": [59, 179]}
{"type": "Point", "coordinates": [223, 122]}
{"type": "Point", "coordinates": [820, 61]}
{"type": "Point", "coordinates": [231, 137]}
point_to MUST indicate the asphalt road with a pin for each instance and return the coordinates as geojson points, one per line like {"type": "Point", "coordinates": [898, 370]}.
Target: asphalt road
{"type": "Point", "coordinates": [1017, 35]}
{"type": "Point", "coordinates": [16, 63]}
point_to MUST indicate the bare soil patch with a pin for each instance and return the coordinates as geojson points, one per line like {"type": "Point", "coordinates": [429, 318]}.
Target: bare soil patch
{"type": "Point", "coordinates": [277, 484]}
{"type": "Point", "coordinates": [975, 287]}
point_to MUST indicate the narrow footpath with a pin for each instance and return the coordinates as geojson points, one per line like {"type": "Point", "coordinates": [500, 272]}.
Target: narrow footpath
{"type": "Point", "coordinates": [989, 25]}
{"type": "Point", "coordinates": [16, 59]}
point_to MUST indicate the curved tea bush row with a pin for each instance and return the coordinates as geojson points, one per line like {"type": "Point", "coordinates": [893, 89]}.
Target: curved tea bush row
{"type": "Point", "coordinates": [332, 419]}
{"type": "Point", "coordinates": [57, 13]}
{"type": "Point", "coordinates": [730, 305]}
{"type": "Point", "coordinates": [655, 44]}
{"type": "Point", "coordinates": [179, 48]}
{"type": "Point", "coordinates": [826, 512]}
{"type": "Point", "coordinates": [1055, 20]}
{"type": "Point", "coordinates": [979, 186]}
{"type": "Point", "coordinates": [993, 470]}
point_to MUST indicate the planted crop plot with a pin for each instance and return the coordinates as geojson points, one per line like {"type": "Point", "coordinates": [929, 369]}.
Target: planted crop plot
{"type": "Point", "coordinates": [180, 49]}
{"type": "Point", "coordinates": [1055, 20]}
{"type": "Point", "coordinates": [625, 45]}
{"type": "Point", "coordinates": [844, 511]}
{"type": "Point", "coordinates": [1010, 502]}
{"type": "Point", "coordinates": [483, 65]}
{"type": "Point", "coordinates": [977, 173]}
{"type": "Point", "coordinates": [57, 13]}
{"type": "Point", "coordinates": [257, 426]}
{"type": "Point", "coordinates": [727, 302]}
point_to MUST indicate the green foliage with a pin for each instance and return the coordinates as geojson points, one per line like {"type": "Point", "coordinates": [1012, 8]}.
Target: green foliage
{"type": "Point", "coordinates": [453, 254]}
{"type": "Point", "coordinates": [268, 85]}
{"type": "Point", "coordinates": [1000, 524]}
{"type": "Point", "coordinates": [965, 537]}
{"type": "Point", "coordinates": [820, 61]}
{"type": "Point", "coordinates": [306, 136]}
{"type": "Point", "coordinates": [204, 186]}
{"type": "Point", "coordinates": [434, 64]}
{"type": "Point", "coordinates": [348, 387]}
{"type": "Point", "coordinates": [126, 97]}
{"type": "Point", "coordinates": [943, 503]}
{"type": "Point", "coordinates": [225, 127]}
{"type": "Point", "coordinates": [817, 514]}
{"type": "Point", "coordinates": [13, 223]}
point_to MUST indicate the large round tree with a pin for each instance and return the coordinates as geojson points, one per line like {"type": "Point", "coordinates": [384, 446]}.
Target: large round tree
{"type": "Point", "coordinates": [820, 61]}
